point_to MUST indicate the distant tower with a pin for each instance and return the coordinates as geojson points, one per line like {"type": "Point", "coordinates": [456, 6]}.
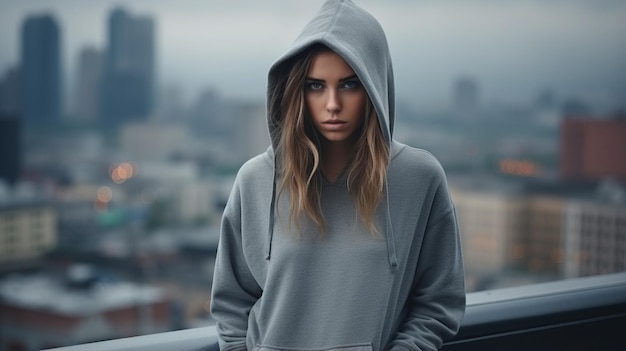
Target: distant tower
{"type": "Point", "coordinates": [466, 94]}
{"type": "Point", "coordinates": [87, 96]}
{"type": "Point", "coordinates": [41, 70]}
{"type": "Point", "coordinates": [129, 69]}
{"type": "Point", "coordinates": [10, 92]}
{"type": "Point", "coordinates": [9, 149]}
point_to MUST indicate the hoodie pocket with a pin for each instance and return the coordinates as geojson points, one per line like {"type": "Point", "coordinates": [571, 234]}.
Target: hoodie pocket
{"type": "Point", "coordinates": [353, 347]}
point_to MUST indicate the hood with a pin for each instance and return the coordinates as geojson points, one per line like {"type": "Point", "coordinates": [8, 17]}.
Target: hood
{"type": "Point", "coordinates": [359, 39]}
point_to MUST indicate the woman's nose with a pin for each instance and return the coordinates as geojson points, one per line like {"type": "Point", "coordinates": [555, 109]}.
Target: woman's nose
{"type": "Point", "coordinates": [333, 104]}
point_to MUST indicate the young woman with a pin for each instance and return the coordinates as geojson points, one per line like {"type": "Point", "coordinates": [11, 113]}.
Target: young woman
{"type": "Point", "coordinates": [337, 237]}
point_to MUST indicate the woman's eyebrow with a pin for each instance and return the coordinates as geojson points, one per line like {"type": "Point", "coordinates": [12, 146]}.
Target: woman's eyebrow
{"type": "Point", "coordinates": [348, 78]}
{"type": "Point", "coordinates": [315, 79]}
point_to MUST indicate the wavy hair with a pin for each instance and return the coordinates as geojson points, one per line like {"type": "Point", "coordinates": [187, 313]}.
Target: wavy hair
{"type": "Point", "coordinates": [299, 154]}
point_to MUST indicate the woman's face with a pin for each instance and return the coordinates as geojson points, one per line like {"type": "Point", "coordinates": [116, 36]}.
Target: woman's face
{"type": "Point", "coordinates": [334, 97]}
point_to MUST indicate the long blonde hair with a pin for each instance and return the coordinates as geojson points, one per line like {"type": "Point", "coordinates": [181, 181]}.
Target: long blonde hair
{"type": "Point", "coordinates": [299, 156]}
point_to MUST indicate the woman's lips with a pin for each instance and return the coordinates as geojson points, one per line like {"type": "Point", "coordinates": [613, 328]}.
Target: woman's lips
{"type": "Point", "coordinates": [333, 121]}
{"type": "Point", "coordinates": [333, 124]}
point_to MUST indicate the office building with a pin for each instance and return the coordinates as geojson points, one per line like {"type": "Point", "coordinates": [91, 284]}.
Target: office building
{"type": "Point", "coordinates": [27, 230]}
{"type": "Point", "coordinates": [544, 233]}
{"type": "Point", "coordinates": [41, 70]}
{"type": "Point", "coordinates": [593, 149]}
{"type": "Point", "coordinates": [10, 152]}
{"type": "Point", "coordinates": [10, 92]}
{"type": "Point", "coordinates": [491, 220]}
{"type": "Point", "coordinates": [87, 95]}
{"type": "Point", "coordinates": [129, 69]}
{"type": "Point", "coordinates": [595, 233]}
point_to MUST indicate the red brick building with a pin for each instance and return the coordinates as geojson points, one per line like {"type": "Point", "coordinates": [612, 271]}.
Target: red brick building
{"type": "Point", "coordinates": [593, 149]}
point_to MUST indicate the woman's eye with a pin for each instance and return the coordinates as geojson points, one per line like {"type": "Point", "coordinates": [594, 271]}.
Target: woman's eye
{"type": "Point", "coordinates": [314, 86]}
{"type": "Point", "coordinates": [351, 84]}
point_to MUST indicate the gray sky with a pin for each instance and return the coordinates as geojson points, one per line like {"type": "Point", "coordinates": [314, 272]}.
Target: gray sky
{"type": "Point", "coordinates": [514, 48]}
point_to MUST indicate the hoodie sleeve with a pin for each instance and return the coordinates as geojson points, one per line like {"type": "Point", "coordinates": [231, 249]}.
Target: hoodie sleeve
{"type": "Point", "coordinates": [234, 290]}
{"type": "Point", "coordinates": [437, 299]}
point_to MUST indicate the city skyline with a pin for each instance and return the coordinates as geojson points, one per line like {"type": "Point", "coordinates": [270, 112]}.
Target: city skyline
{"type": "Point", "coordinates": [514, 50]}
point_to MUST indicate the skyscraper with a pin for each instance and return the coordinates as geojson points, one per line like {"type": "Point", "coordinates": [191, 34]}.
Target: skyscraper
{"type": "Point", "coordinates": [129, 68]}
{"type": "Point", "coordinates": [87, 95]}
{"type": "Point", "coordinates": [41, 69]}
{"type": "Point", "coordinates": [10, 92]}
{"type": "Point", "coordinates": [9, 149]}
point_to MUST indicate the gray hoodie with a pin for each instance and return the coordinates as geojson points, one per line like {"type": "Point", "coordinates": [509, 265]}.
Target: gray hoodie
{"type": "Point", "coordinates": [281, 288]}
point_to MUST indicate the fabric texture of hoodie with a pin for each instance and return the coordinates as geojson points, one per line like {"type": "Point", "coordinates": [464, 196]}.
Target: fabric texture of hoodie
{"type": "Point", "coordinates": [279, 287]}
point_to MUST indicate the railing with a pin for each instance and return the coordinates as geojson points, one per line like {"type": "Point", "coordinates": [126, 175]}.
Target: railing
{"type": "Point", "coordinates": [578, 314]}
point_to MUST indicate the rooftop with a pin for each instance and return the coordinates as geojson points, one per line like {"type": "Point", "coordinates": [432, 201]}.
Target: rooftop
{"type": "Point", "coordinates": [75, 296]}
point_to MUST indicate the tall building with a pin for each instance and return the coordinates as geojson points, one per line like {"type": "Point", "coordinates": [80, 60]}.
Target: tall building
{"type": "Point", "coordinates": [10, 92]}
{"type": "Point", "coordinates": [129, 69]}
{"type": "Point", "coordinates": [9, 149]}
{"type": "Point", "coordinates": [87, 95]}
{"type": "Point", "coordinates": [41, 70]}
{"type": "Point", "coordinates": [593, 149]}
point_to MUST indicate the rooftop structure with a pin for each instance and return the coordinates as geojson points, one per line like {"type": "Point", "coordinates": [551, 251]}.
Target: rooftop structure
{"type": "Point", "coordinates": [41, 311]}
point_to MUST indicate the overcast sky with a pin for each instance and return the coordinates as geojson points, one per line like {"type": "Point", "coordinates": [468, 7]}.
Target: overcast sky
{"type": "Point", "coordinates": [513, 48]}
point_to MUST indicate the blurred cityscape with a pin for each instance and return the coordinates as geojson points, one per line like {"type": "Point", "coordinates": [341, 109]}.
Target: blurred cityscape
{"type": "Point", "coordinates": [110, 208]}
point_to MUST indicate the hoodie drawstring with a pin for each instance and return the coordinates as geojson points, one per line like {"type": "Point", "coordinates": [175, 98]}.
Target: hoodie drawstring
{"type": "Point", "coordinates": [270, 230]}
{"type": "Point", "coordinates": [389, 236]}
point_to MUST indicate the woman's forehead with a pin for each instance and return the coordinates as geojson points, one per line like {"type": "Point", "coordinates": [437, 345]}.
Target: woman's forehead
{"type": "Point", "coordinates": [328, 63]}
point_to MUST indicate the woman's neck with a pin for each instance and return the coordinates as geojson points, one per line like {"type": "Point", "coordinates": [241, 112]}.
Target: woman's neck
{"type": "Point", "coordinates": [335, 157]}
